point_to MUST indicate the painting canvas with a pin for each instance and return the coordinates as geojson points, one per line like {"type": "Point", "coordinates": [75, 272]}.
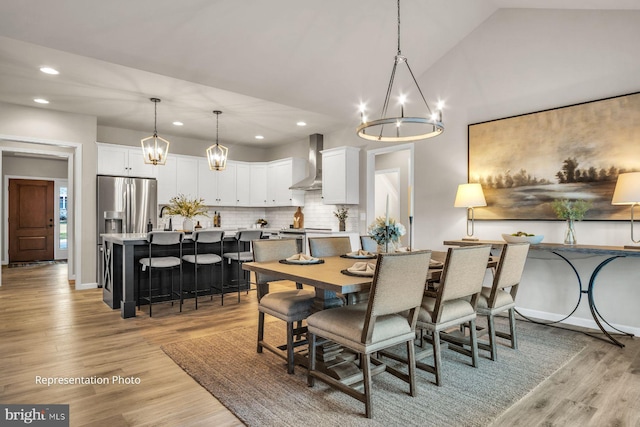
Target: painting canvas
{"type": "Point", "coordinates": [576, 152]}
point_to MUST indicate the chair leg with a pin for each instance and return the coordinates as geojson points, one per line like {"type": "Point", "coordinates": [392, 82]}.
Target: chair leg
{"type": "Point", "coordinates": [312, 358]}
{"type": "Point", "coordinates": [260, 331]}
{"type": "Point", "coordinates": [411, 353]}
{"type": "Point", "coordinates": [290, 361]}
{"type": "Point", "coordinates": [474, 343]}
{"type": "Point", "coordinates": [512, 328]}
{"type": "Point", "coordinates": [150, 303]}
{"type": "Point", "coordinates": [239, 272]}
{"type": "Point", "coordinates": [366, 373]}
{"type": "Point", "coordinates": [195, 283]}
{"type": "Point", "coordinates": [437, 360]}
{"type": "Point", "coordinates": [492, 338]}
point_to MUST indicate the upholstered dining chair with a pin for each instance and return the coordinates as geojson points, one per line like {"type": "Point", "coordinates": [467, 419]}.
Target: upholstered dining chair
{"type": "Point", "coordinates": [368, 244]}
{"type": "Point", "coordinates": [204, 243]}
{"type": "Point", "coordinates": [453, 303]}
{"type": "Point", "coordinates": [156, 261]}
{"type": "Point", "coordinates": [290, 306]}
{"type": "Point", "coordinates": [496, 299]}
{"type": "Point", "coordinates": [329, 246]}
{"type": "Point", "coordinates": [243, 237]}
{"type": "Point", "coordinates": [387, 319]}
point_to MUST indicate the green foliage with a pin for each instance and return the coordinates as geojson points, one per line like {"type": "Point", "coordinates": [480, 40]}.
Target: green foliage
{"type": "Point", "coordinates": [185, 207]}
{"type": "Point", "coordinates": [378, 230]}
{"type": "Point", "coordinates": [570, 209]}
{"type": "Point", "coordinates": [342, 213]}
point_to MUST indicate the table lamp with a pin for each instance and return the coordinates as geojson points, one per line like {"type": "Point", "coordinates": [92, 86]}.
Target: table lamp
{"type": "Point", "coordinates": [627, 192]}
{"type": "Point", "coordinates": [469, 196]}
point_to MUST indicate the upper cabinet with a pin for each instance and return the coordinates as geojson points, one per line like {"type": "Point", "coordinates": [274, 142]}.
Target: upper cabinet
{"type": "Point", "coordinates": [120, 160]}
{"type": "Point", "coordinates": [217, 188]}
{"type": "Point", "coordinates": [258, 184]}
{"type": "Point", "coordinates": [167, 182]}
{"type": "Point", "coordinates": [243, 184]}
{"type": "Point", "coordinates": [282, 174]}
{"type": "Point", "coordinates": [341, 176]}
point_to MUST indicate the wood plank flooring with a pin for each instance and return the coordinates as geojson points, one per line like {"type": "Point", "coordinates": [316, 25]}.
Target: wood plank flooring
{"type": "Point", "coordinates": [48, 329]}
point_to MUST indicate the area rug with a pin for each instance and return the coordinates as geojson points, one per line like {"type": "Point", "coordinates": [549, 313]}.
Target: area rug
{"type": "Point", "coordinates": [257, 389]}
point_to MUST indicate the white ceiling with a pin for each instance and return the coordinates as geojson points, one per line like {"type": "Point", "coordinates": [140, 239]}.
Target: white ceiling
{"type": "Point", "coordinates": [265, 64]}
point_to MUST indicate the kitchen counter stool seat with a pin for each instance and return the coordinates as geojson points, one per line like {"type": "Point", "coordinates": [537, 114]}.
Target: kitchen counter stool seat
{"type": "Point", "coordinates": [156, 240]}
{"type": "Point", "coordinates": [203, 239]}
{"type": "Point", "coordinates": [239, 256]}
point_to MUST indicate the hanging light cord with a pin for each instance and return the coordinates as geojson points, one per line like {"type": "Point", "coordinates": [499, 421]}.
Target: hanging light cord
{"type": "Point", "coordinates": [217, 117]}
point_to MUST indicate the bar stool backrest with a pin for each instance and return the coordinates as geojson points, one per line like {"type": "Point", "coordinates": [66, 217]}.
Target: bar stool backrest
{"type": "Point", "coordinates": [207, 236]}
{"type": "Point", "coordinates": [165, 237]}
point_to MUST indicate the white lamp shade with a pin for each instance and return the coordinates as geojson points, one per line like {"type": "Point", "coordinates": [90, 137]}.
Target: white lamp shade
{"type": "Point", "coordinates": [627, 190]}
{"type": "Point", "coordinates": [469, 196]}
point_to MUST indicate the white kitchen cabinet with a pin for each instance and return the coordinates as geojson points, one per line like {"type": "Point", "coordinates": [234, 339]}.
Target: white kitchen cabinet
{"type": "Point", "coordinates": [121, 160]}
{"type": "Point", "coordinates": [282, 174]}
{"type": "Point", "coordinates": [258, 185]}
{"type": "Point", "coordinates": [217, 188]}
{"type": "Point", "coordinates": [243, 184]}
{"type": "Point", "coordinates": [187, 176]}
{"type": "Point", "coordinates": [167, 182]}
{"type": "Point", "coordinates": [341, 176]}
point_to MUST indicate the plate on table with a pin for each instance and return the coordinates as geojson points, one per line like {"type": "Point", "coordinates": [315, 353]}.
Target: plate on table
{"type": "Point", "coordinates": [302, 261]}
{"type": "Point", "coordinates": [354, 256]}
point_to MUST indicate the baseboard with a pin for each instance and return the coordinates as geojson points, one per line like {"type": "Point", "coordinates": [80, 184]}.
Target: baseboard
{"type": "Point", "coordinates": [575, 321]}
{"type": "Point", "coordinates": [84, 286]}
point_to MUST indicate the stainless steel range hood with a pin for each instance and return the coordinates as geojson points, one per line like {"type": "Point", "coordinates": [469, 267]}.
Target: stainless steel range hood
{"type": "Point", "coordinates": [313, 181]}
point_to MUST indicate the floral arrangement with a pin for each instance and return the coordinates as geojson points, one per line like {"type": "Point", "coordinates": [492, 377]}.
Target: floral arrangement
{"type": "Point", "coordinates": [377, 230]}
{"type": "Point", "coordinates": [342, 214]}
{"type": "Point", "coordinates": [570, 209]}
{"type": "Point", "coordinates": [185, 207]}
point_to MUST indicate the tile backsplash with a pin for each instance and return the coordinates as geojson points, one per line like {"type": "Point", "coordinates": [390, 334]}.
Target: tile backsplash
{"type": "Point", "coordinates": [316, 215]}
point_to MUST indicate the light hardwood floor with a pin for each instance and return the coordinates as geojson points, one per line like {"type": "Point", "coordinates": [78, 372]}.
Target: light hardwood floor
{"type": "Point", "coordinates": [48, 329]}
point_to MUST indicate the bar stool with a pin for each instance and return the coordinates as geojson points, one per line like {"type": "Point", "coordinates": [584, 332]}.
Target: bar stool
{"type": "Point", "coordinates": [161, 240]}
{"type": "Point", "coordinates": [240, 256]}
{"type": "Point", "coordinates": [203, 240]}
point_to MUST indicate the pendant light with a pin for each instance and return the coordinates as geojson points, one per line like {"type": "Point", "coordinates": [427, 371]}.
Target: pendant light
{"type": "Point", "coordinates": [154, 148]}
{"type": "Point", "coordinates": [217, 154]}
{"type": "Point", "coordinates": [401, 128]}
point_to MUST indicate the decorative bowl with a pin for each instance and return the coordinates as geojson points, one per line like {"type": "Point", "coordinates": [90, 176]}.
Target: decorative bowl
{"type": "Point", "coordinates": [520, 239]}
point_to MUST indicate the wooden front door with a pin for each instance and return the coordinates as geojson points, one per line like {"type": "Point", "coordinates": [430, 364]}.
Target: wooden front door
{"type": "Point", "coordinates": [31, 220]}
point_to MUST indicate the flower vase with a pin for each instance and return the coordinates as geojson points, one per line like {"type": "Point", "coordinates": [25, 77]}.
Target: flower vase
{"type": "Point", "coordinates": [187, 224]}
{"type": "Point", "coordinates": [570, 236]}
{"type": "Point", "coordinates": [342, 225]}
{"type": "Point", "coordinates": [387, 248]}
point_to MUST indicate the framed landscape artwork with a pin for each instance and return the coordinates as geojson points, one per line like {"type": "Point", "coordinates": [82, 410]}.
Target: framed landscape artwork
{"type": "Point", "coordinates": [576, 152]}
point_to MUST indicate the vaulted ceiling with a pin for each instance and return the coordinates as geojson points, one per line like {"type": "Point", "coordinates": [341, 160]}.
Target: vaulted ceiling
{"type": "Point", "coordinates": [265, 64]}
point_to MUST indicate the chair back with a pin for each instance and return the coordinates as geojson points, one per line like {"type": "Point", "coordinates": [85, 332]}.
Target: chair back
{"type": "Point", "coordinates": [207, 236]}
{"type": "Point", "coordinates": [463, 272]}
{"type": "Point", "coordinates": [398, 286]}
{"type": "Point", "coordinates": [248, 235]}
{"type": "Point", "coordinates": [368, 244]}
{"type": "Point", "coordinates": [509, 270]}
{"type": "Point", "coordinates": [165, 237]}
{"type": "Point", "coordinates": [271, 250]}
{"type": "Point", "coordinates": [329, 246]}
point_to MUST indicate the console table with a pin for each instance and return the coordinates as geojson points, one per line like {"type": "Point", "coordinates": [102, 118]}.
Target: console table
{"type": "Point", "coordinates": [611, 252]}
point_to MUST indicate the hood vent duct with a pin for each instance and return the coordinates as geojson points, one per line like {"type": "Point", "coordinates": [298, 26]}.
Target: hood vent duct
{"type": "Point", "coordinates": [313, 181]}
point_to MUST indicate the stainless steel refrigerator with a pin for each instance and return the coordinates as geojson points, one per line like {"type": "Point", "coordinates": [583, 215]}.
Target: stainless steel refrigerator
{"type": "Point", "coordinates": [124, 205]}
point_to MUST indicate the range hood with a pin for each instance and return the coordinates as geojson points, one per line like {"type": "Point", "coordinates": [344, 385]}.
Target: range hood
{"type": "Point", "coordinates": [314, 180]}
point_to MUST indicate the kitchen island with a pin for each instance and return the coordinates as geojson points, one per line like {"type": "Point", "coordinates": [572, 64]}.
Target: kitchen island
{"type": "Point", "coordinates": [120, 267]}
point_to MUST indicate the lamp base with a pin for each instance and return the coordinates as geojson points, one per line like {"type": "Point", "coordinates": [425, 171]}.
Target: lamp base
{"type": "Point", "coordinates": [473, 239]}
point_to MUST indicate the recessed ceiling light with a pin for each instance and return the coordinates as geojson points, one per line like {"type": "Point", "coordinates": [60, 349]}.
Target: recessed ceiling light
{"type": "Point", "coordinates": [178, 123]}
{"type": "Point", "coordinates": [40, 100]}
{"type": "Point", "coordinates": [259, 137]}
{"type": "Point", "coordinates": [301, 123]}
{"type": "Point", "coordinates": [49, 70]}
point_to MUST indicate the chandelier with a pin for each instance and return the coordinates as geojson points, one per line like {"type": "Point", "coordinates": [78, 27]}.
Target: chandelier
{"type": "Point", "coordinates": [154, 148]}
{"type": "Point", "coordinates": [402, 128]}
{"type": "Point", "coordinates": [217, 154]}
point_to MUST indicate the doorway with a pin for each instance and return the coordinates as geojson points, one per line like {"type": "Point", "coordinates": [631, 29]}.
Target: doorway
{"type": "Point", "coordinates": [31, 220]}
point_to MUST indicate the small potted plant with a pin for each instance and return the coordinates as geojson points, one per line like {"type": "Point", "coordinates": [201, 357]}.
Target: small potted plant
{"type": "Point", "coordinates": [186, 208]}
{"type": "Point", "coordinates": [570, 211]}
{"type": "Point", "coordinates": [342, 214]}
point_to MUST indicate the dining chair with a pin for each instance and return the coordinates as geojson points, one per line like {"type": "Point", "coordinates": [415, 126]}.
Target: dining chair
{"type": "Point", "coordinates": [368, 244]}
{"type": "Point", "coordinates": [158, 240]}
{"type": "Point", "coordinates": [453, 303]}
{"type": "Point", "coordinates": [386, 320]}
{"type": "Point", "coordinates": [204, 245]}
{"type": "Point", "coordinates": [329, 246]}
{"type": "Point", "coordinates": [496, 299]}
{"type": "Point", "coordinates": [290, 306]}
{"type": "Point", "coordinates": [239, 256]}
